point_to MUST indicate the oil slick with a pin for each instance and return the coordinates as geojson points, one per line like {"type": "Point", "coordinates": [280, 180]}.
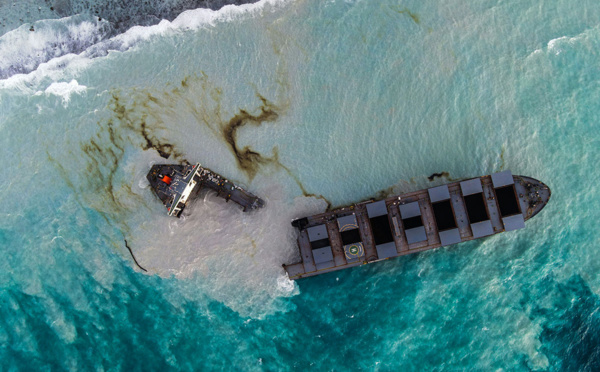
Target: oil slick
{"type": "Point", "coordinates": [249, 160]}
{"type": "Point", "coordinates": [133, 256]}
{"type": "Point", "coordinates": [405, 11]}
{"type": "Point", "coordinates": [132, 132]}
{"type": "Point", "coordinates": [138, 119]}
{"type": "Point", "coordinates": [147, 133]}
{"type": "Point", "coordinates": [433, 176]}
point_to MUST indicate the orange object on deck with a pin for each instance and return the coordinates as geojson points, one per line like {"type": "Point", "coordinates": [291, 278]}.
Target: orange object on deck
{"type": "Point", "coordinates": [166, 179]}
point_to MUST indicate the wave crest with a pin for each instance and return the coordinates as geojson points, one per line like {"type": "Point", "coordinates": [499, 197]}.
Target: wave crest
{"type": "Point", "coordinates": [23, 50]}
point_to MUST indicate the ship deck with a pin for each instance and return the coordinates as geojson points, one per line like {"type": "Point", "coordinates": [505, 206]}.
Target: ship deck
{"type": "Point", "coordinates": [476, 213]}
{"type": "Point", "coordinates": [187, 181]}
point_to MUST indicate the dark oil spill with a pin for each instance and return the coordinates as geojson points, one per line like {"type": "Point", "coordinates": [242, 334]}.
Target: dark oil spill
{"type": "Point", "coordinates": [133, 256]}
{"type": "Point", "coordinates": [433, 176]}
{"type": "Point", "coordinates": [104, 152]}
{"type": "Point", "coordinates": [301, 186]}
{"type": "Point", "coordinates": [445, 175]}
{"type": "Point", "coordinates": [140, 127]}
{"type": "Point", "coordinates": [384, 194]}
{"type": "Point", "coordinates": [103, 162]}
{"type": "Point", "coordinates": [133, 124]}
{"type": "Point", "coordinates": [249, 160]}
{"type": "Point", "coordinates": [405, 11]}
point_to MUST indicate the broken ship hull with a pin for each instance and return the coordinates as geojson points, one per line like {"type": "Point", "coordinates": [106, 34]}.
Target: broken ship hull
{"type": "Point", "coordinates": [176, 185]}
{"type": "Point", "coordinates": [414, 222]}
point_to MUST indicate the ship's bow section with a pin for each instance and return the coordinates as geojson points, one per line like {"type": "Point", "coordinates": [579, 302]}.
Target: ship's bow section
{"type": "Point", "coordinates": [533, 195]}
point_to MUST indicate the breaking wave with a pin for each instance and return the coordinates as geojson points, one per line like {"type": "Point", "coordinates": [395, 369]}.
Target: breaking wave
{"type": "Point", "coordinates": [24, 49]}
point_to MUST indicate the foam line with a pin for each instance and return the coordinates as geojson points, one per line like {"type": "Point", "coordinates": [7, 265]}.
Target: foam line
{"type": "Point", "coordinates": [65, 90]}
{"type": "Point", "coordinates": [23, 52]}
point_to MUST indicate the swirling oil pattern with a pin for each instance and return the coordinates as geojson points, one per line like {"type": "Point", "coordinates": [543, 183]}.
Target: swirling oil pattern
{"type": "Point", "coordinates": [309, 104]}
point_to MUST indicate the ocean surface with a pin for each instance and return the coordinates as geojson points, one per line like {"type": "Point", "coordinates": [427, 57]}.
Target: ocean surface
{"type": "Point", "coordinates": [333, 102]}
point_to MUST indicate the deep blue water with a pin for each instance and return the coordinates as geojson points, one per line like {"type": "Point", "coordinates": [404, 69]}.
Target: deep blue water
{"type": "Point", "coordinates": [363, 96]}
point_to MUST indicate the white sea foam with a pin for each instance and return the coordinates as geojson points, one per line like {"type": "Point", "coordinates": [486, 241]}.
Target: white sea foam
{"type": "Point", "coordinates": [554, 45]}
{"type": "Point", "coordinates": [374, 124]}
{"type": "Point", "coordinates": [65, 90]}
{"type": "Point", "coordinates": [235, 257]}
{"type": "Point", "coordinates": [560, 44]}
{"type": "Point", "coordinates": [24, 49]}
{"type": "Point", "coordinates": [25, 52]}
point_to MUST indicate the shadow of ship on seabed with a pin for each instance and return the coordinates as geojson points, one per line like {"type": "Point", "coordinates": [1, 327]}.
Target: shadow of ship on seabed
{"type": "Point", "coordinates": [175, 185]}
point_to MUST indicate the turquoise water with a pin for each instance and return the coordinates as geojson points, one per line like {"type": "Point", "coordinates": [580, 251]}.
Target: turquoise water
{"type": "Point", "coordinates": [340, 101]}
